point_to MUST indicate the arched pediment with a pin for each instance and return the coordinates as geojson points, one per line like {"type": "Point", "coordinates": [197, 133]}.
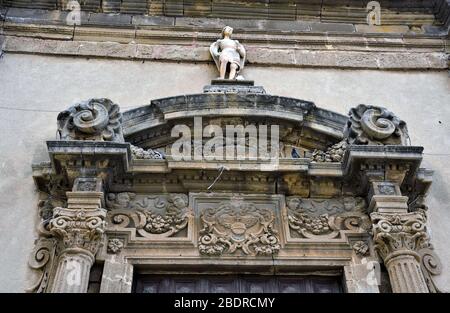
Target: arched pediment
{"type": "Point", "coordinates": [302, 124]}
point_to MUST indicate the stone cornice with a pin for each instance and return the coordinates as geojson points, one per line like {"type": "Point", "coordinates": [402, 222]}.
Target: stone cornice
{"type": "Point", "coordinates": [329, 45]}
{"type": "Point", "coordinates": [393, 12]}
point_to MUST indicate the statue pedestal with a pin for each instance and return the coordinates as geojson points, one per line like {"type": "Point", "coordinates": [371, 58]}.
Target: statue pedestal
{"type": "Point", "coordinates": [233, 86]}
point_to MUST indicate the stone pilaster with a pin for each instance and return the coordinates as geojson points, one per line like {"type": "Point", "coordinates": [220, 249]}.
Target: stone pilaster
{"type": "Point", "coordinates": [79, 228]}
{"type": "Point", "coordinates": [117, 277]}
{"type": "Point", "coordinates": [398, 236]}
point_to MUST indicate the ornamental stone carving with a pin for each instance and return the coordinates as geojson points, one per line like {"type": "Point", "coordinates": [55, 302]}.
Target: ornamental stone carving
{"type": "Point", "coordinates": [228, 54]}
{"type": "Point", "coordinates": [335, 153]}
{"type": "Point", "coordinates": [431, 266]}
{"type": "Point", "coordinates": [114, 245]}
{"type": "Point", "coordinates": [361, 247]}
{"type": "Point", "coordinates": [366, 125]}
{"type": "Point", "coordinates": [42, 260]}
{"type": "Point", "coordinates": [399, 232]}
{"type": "Point", "coordinates": [371, 125]}
{"type": "Point", "coordinates": [151, 215]}
{"type": "Point", "coordinates": [140, 153]}
{"type": "Point", "coordinates": [398, 238]}
{"type": "Point", "coordinates": [238, 225]}
{"type": "Point", "coordinates": [79, 229]}
{"type": "Point", "coordinates": [325, 218]}
{"type": "Point", "coordinates": [94, 119]}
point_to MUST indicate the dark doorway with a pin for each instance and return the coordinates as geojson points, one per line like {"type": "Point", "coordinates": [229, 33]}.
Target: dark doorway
{"type": "Point", "coordinates": [237, 284]}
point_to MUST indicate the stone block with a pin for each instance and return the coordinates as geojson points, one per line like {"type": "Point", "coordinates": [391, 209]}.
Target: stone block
{"type": "Point", "coordinates": [111, 6]}
{"type": "Point", "coordinates": [39, 31]}
{"type": "Point", "coordinates": [107, 49]}
{"type": "Point", "coordinates": [362, 28]}
{"type": "Point", "coordinates": [34, 16]}
{"type": "Point", "coordinates": [332, 27]}
{"type": "Point", "coordinates": [176, 53]}
{"type": "Point", "coordinates": [117, 277]}
{"type": "Point", "coordinates": [197, 8]}
{"type": "Point", "coordinates": [116, 35]}
{"type": "Point", "coordinates": [109, 19]}
{"type": "Point", "coordinates": [144, 20]}
{"type": "Point", "coordinates": [240, 9]}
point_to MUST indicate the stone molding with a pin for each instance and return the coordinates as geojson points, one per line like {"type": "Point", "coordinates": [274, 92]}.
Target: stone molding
{"type": "Point", "coordinates": [331, 11]}
{"type": "Point", "coordinates": [269, 42]}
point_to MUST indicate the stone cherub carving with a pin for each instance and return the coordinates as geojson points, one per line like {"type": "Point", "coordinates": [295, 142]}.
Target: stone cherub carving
{"type": "Point", "coordinates": [228, 54]}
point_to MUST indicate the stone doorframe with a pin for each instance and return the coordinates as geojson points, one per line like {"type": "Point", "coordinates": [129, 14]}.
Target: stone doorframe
{"type": "Point", "coordinates": [354, 195]}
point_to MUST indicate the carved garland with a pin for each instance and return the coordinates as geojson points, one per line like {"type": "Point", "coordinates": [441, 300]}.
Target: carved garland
{"type": "Point", "coordinates": [325, 218]}
{"type": "Point", "coordinates": [152, 216]}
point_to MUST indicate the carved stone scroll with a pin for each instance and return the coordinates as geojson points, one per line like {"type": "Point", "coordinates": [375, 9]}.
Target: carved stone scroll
{"type": "Point", "coordinates": [371, 125]}
{"type": "Point", "coordinates": [366, 125]}
{"type": "Point", "coordinates": [238, 225]}
{"type": "Point", "coordinates": [42, 259]}
{"type": "Point", "coordinates": [94, 119]}
{"type": "Point", "coordinates": [152, 215]}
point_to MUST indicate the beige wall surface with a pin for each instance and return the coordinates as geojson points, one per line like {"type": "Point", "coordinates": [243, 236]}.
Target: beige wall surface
{"type": "Point", "coordinates": [43, 86]}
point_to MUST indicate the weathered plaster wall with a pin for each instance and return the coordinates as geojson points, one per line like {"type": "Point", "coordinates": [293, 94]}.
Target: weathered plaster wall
{"type": "Point", "coordinates": [51, 84]}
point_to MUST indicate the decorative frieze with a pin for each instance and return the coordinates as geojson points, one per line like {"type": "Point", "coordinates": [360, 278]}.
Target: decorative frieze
{"type": "Point", "coordinates": [151, 215]}
{"type": "Point", "coordinates": [326, 218]}
{"type": "Point", "coordinates": [238, 225]}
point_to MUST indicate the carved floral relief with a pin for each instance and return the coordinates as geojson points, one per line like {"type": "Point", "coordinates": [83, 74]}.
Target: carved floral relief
{"type": "Point", "coordinates": [326, 218]}
{"type": "Point", "coordinates": [151, 215]}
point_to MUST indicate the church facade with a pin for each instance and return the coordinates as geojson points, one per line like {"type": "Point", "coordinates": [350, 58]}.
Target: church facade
{"type": "Point", "coordinates": [225, 146]}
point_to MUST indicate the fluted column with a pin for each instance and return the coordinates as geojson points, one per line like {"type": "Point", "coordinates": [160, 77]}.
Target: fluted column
{"type": "Point", "coordinates": [405, 274]}
{"type": "Point", "coordinates": [398, 236]}
{"type": "Point", "coordinates": [72, 274]}
{"type": "Point", "coordinates": [79, 228]}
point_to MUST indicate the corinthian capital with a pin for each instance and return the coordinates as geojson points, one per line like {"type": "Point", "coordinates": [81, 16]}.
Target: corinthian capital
{"type": "Point", "coordinates": [79, 229]}
{"type": "Point", "coordinates": [399, 233]}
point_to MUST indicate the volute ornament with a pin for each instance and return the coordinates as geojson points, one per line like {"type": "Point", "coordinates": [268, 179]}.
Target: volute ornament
{"type": "Point", "coordinates": [79, 229]}
{"type": "Point", "coordinates": [366, 125]}
{"type": "Point", "coordinates": [42, 260]}
{"type": "Point", "coordinates": [431, 266]}
{"type": "Point", "coordinates": [371, 125]}
{"type": "Point", "coordinates": [94, 119]}
{"type": "Point", "coordinates": [395, 232]}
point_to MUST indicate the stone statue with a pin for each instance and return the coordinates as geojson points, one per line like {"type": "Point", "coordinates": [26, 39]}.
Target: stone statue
{"type": "Point", "coordinates": [228, 54]}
